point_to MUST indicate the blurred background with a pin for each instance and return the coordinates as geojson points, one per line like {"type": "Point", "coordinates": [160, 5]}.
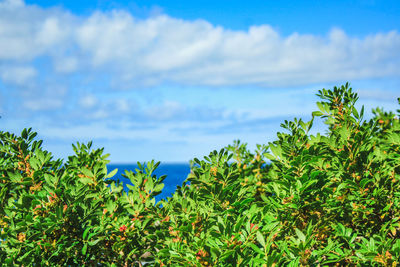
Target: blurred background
{"type": "Point", "coordinates": [174, 80]}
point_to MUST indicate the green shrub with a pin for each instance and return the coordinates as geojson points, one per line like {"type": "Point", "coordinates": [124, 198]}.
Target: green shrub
{"type": "Point", "coordinates": [301, 200]}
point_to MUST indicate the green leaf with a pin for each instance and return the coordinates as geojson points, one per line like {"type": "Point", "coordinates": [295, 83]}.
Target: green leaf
{"type": "Point", "coordinates": [87, 172]}
{"type": "Point", "coordinates": [355, 113]}
{"type": "Point", "coordinates": [276, 189]}
{"type": "Point", "coordinates": [32, 135]}
{"type": "Point", "coordinates": [25, 255]}
{"type": "Point", "coordinates": [243, 202]}
{"type": "Point", "coordinates": [3, 193]}
{"type": "Point", "coordinates": [84, 249]}
{"type": "Point", "coordinates": [300, 234]}
{"type": "Point", "coordinates": [309, 184]}
{"type": "Point", "coordinates": [269, 156]}
{"type": "Point", "coordinates": [59, 212]}
{"type": "Point", "coordinates": [330, 121]}
{"type": "Point", "coordinates": [24, 133]}
{"type": "Point", "coordinates": [239, 224]}
{"type": "Point", "coordinates": [299, 185]}
{"type": "Point", "coordinates": [365, 181]}
{"type": "Point", "coordinates": [276, 150]}
{"type": "Point", "coordinates": [92, 243]}
{"type": "Point", "coordinates": [226, 255]}
{"type": "Point", "coordinates": [50, 179]}
{"type": "Point", "coordinates": [111, 174]}
{"type": "Point", "coordinates": [317, 113]}
{"type": "Point", "coordinates": [85, 180]}
{"type": "Point", "coordinates": [260, 238]}
{"type": "Point", "coordinates": [15, 177]}
{"type": "Point", "coordinates": [257, 249]}
{"type": "Point", "coordinates": [342, 185]}
{"type": "Point", "coordinates": [158, 188]}
{"type": "Point", "coordinates": [34, 162]}
{"type": "Point", "coordinates": [321, 107]}
{"type": "Point", "coordinates": [362, 112]}
{"type": "Point", "coordinates": [85, 232]}
{"type": "Point", "coordinates": [215, 252]}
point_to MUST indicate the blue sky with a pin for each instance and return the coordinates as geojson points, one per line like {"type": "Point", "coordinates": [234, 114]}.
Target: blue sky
{"type": "Point", "coordinates": [173, 80]}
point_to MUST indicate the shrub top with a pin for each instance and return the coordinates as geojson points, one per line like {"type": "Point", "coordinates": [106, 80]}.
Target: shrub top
{"type": "Point", "coordinates": [320, 199]}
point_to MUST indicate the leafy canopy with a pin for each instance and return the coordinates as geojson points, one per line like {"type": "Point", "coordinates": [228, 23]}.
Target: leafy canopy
{"type": "Point", "coordinates": [301, 200]}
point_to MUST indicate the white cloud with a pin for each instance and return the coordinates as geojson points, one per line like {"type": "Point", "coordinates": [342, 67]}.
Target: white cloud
{"type": "Point", "coordinates": [11, 4]}
{"type": "Point", "coordinates": [66, 64]}
{"type": "Point", "coordinates": [47, 97]}
{"type": "Point", "coordinates": [88, 101]}
{"type": "Point", "coordinates": [143, 52]}
{"type": "Point", "coordinates": [17, 75]}
{"type": "Point", "coordinates": [28, 32]}
{"type": "Point", "coordinates": [165, 111]}
{"type": "Point", "coordinates": [163, 49]}
{"type": "Point", "coordinates": [50, 32]}
{"type": "Point", "coordinates": [43, 104]}
{"type": "Point", "coordinates": [122, 105]}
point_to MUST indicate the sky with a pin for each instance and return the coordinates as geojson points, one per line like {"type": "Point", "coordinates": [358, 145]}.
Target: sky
{"type": "Point", "coordinates": [173, 80]}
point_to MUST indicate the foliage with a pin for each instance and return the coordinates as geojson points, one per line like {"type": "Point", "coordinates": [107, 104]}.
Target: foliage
{"type": "Point", "coordinates": [301, 200]}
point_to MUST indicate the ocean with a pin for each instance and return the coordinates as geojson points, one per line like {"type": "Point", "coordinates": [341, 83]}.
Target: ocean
{"type": "Point", "coordinates": [176, 174]}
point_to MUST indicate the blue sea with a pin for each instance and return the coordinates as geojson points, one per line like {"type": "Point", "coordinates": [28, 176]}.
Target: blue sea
{"type": "Point", "coordinates": [176, 174]}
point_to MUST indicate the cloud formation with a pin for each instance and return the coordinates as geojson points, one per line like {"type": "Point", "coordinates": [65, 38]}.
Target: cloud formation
{"type": "Point", "coordinates": [116, 77]}
{"type": "Point", "coordinates": [161, 49]}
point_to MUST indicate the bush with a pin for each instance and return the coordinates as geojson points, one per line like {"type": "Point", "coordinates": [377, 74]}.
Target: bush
{"type": "Point", "coordinates": [301, 200]}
